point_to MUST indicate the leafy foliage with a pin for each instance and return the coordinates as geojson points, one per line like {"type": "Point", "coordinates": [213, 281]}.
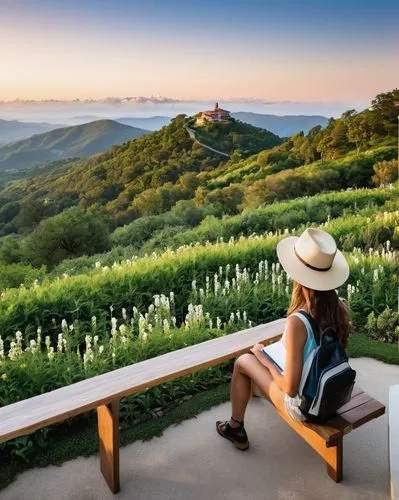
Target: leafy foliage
{"type": "Point", "coordinates": [384, 326]}
{"type": "Point", "coordinates": [235, 136]}
{"type": "Point", "coordinates": [69, 233]}
{"type": "Point", "coordinates": [386, 172]}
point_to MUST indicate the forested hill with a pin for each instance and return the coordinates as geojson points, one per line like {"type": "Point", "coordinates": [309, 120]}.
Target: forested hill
{"type": "Point", "coordinates": [78, 141]}
{"type": "Point", "coordinates": [136, 178]}
{"type": "Point", "coordinates": [150, 175]}
{"type": "Point", "coordinates": [235, 136]}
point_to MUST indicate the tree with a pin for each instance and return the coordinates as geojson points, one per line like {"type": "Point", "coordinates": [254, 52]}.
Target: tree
{"type": "Point", "coordinates": [189, 182]}
{"type": "Point", "coordinates": [332, 141]}
{"type": "Point", "coordinates": [10, 251]}
{"type": "Point", "coordinates": [227, 200]}
{"type": "Point", "coordinates": [148, 202]}
{"type": "Point", "coordinates": [359, 131]}
{"type": "Point", "coordinates": [69, 234]}
{"type": "Point", "coordinates": [385, 172]}
{"type": "Point", "coordinates": [348, 114]}
{"type": "Point", "coordinates": [384, 105]}
{"type": "Point", "coordinates": [188, 212]}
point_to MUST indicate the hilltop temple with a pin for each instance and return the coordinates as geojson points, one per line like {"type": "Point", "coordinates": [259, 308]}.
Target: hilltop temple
{"type": "Point", "coordinates": [217, 115]}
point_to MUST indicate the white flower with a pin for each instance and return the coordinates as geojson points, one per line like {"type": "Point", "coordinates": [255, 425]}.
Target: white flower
{"type": "Point", "coordinates": [114, 322]}
{"type": "Point", "coordinates": [50, 353]}
{"type": "Point", "coordinates": [166, 327]}
{"type": "Point", "coordinates": [60, 343]}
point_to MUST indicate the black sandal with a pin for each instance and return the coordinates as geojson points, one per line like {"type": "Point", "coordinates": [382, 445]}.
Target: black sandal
{"type": "Point", "coordinates": [237, 435]}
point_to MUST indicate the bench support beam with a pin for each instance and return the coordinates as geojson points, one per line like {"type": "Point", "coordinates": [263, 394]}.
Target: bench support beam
{"type": "Point", "coordinates": [108, 434]}
{"type": "Point", "coordinates": [332, 455]}
{"type": "Point", "coordinates": [334, 462]}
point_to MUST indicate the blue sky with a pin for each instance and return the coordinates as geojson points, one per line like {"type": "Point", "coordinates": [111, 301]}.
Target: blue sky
{"type": "Point", "coordinates": [198, 49]}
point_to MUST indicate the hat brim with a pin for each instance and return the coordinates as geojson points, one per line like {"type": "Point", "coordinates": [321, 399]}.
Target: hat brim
{"type": "Point", "coordinates": [316, 280]}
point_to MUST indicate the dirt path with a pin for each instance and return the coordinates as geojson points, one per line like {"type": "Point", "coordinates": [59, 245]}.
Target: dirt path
{"type": "Point", "coordinates": [191, 133]}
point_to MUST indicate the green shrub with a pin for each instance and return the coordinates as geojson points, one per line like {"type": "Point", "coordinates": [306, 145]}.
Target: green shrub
{"type": "Point", "coordinates": [13, 275]}
{"type": "Point", "coordinates": [384, 326]}
{"type": "Point", "coordinates": [71, 233]}
{"type": "Point", "coordinates": [140, 230]}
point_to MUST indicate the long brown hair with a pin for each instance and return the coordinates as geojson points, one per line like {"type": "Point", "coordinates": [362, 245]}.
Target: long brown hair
{"type": "Point", "coordinates": [325, 307]}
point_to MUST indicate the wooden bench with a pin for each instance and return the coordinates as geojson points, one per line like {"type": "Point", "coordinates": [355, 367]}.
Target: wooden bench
{"type": "Point", "coordinates": [105, 391]}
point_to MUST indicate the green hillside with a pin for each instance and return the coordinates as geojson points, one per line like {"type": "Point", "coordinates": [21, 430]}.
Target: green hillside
{"type": "Point", "coordinates": [78, 141]}
{"type": "Point", "coordinates": [142, 177]}
{"type": "Point", "coordinates": [166, 179]}
{"type": "Point", "coordinates": [235, 136]}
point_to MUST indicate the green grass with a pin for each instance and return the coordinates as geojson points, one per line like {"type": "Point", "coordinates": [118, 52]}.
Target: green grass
{"type": "Point", "coordinates": [83, 440]}
{"type": "Point", "coordinates": [360, 345]}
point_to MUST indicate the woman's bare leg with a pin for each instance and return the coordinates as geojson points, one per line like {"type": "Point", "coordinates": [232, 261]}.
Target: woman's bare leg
{"type": "Point", "coordinates": [247, 368]}
{"type": "Point", "coordinates": [240, 392]}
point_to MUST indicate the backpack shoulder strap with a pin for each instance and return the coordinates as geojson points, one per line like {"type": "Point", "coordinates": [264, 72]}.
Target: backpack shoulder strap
{"type": "Point", "coordinates": [313, 324]}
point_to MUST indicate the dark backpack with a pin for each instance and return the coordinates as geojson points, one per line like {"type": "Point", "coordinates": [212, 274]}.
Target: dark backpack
{"type": "Point", "coordinates": [327, 379]}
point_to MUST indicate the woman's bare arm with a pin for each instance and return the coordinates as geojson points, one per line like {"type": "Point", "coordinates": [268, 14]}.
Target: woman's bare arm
{"type": "Point", "coordinates": [295, 338]}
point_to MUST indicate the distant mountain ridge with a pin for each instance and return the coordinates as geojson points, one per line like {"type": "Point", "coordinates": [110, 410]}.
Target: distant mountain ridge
{"type": "Point", "coordinates": [15, 130]}
{"type": "Point", "coordinates": [283, 126]}
{"type": "Point", "coordinates": [77, 141]}
{"type": "Point", "coordinates": [148, 123]}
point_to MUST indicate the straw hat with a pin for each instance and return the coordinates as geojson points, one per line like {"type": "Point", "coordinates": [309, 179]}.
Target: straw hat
{"type": "Point", "coordinates": [313, 260]}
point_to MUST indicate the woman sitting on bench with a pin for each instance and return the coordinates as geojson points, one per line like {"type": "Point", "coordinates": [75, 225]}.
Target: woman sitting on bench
{"type": "Point", "coordinates": [317, 268]}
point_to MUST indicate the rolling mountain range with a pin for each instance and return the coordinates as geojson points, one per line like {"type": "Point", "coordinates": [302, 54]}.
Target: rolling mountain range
{"type": "Point", "coordinates": [150, 175]}
{"type": "Point", "coordinates": [151, 123]}
{"type": "Point", "coordinates": [149, 169]}
{"type": "Point", "coordinates": [14, 130]}
{"type": "Point", "coordinates": [283, 126]}
{"type": "Point", "coordinates": [78, 141]}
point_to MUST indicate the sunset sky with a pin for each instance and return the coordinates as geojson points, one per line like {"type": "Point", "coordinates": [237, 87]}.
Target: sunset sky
{"type": "Point", "coordinates": [199, 49]}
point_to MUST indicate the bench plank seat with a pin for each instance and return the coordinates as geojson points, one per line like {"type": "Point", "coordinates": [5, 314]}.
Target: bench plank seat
{"type": "Point", "coordinates": [359, 410]}
{"type": "Point", "coordinates": [26, 416]}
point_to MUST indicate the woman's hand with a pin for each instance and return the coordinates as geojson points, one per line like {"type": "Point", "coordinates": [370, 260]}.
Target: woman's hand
{"type": "Point", "coordinates": [257, 352]}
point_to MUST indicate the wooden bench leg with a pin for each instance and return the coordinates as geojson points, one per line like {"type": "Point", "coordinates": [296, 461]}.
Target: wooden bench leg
{"type": "Point", "coordinates": [108, 433]}
{"type": "Point", "coordinates": [334, 461]}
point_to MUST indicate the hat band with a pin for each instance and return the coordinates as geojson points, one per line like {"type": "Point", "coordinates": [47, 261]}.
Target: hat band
{"type": "Point", "coordinates": [309, 265]}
